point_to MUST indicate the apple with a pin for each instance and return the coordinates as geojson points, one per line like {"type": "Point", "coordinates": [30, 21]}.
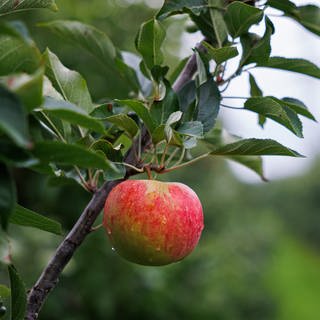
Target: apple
{"type": "Point", "coordinates": [151, 222]}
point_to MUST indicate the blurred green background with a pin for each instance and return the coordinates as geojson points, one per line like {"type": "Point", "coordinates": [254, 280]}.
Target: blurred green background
{"type": "Point", "coordinates": [259, 254]}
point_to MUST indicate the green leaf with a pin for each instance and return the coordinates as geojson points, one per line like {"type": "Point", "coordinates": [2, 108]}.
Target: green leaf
{"type": "Point", "coordinates": [255, 147]}
{"type": "Point", "coordinates": [5, 292]}
{"type": "Point", "coordinates": [254, 163]}
{"type": "Point", "coordinates": [27, 87]}
{"type": "Point", "coordinates": [240, 17]}
{"type": "Point", "coordinates": [91, 39]}
{"type": "Point", "coordinates": [271, 108]}
{"type": "Point", "coordinates": [309, 17]}
{"type": "Point", "coordinates": [191, 129]}
{"type": "Point", "coordinates": [13, 118]}
{"type": "Point", "coordinates": [255, 49]}
{"type": "Point", "coordinates": [67, 111]}
{"type": "Point", "coordinates": [255, 91]}
{"type": "Point", "coordinates": [70, 154]}
{"type": "Point", "coordinates": [149, 42]}
{"type": "Point", "coordinates": [28, 218]}
{"type": "Point", "coordinates": [161, 110]}
{"type": "Point", "coordinates": [220, 55]}
{"type": "Point", "coordinates": [140, 109]}
{"type": "Point", "coordinates": [208, 104]}
{"type": "Point", "coordinates": [7, 195]}
{"type": "Point", "coordinates": [8, 6]}
{"type": "Point", "coordinates": [218, 23]}
{"type": "Point", "coordinates": [124, 122]}
{"type": "Point", "coordinates": [295, 65]}
{"type": "Point", "coordinates": [171, 7]}
{"type": "Point", "coordinates": [17, 53]}
{"type": "Point", "coordinates": [113, 154]}
{"type": "Point", "coordinates": [297, 106]}
{"type": "Point", "coordinates": [70, 84]}
{"type": "Point", "coordinates": [18, 295]}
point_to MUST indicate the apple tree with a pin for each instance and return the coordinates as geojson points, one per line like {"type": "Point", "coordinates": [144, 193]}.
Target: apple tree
{"type": "Point", "coordinates": [168, 119]}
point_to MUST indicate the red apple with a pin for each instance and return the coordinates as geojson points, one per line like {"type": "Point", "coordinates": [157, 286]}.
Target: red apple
{"type": "Point", "coordinates": [151, 222]}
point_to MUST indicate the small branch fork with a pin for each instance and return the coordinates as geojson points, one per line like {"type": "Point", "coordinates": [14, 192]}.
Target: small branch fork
{"type": "Point", "coordinates": [50, 275]}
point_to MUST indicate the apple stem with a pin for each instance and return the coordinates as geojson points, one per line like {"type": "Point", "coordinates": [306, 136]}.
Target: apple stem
{"type": "Point", "coordinates": [140, 170]}
{"type": "Point", "coordinates": [175, 167]}
{"type": "Point", "coordinates": [171, 156]}
{"type": "Point", "coordinates": [163, 157]}
{"type": "Point", "coordinates": [148, 171]}
{"type": "Point", "coordinates": [95, 228]}
{"type": "Point", "coordinates": [181, 157]}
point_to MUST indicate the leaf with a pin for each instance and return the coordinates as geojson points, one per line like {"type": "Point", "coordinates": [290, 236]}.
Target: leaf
{"type": "Point", "coordinates": [8, 6]}
{"type": "Point", "coordinates": [125, 122]}
{"type": "Point", "coordinates": [172, 7]}
{"type": "Point", "coordinates": [208, 104]}
{"type": "Point", "coordinates": [240, 17]}
{"type": "Point", "coordinates": [255, 49]}
{"type": "Point", "coordinates": [271, 108]}
{"type": "Point", "coordinates": [65, 110]}
{"type": "Point", "coordinates": [295, 65]}
{"type": "Point", "coordinates": [70, 154]}
{"type": "Point", "coordinates": [220, 55]}
{"type": "Point", "coordinates": [13, 118]}
{"type": "Point", "coordinates": [7, 195]}
{"type": "Point", "coordinates": [283, 5]}
{"type": "Point", "coordinates": [17, 54]}
{"type": "Point", "coordinates": [91, 39]}
{"type": "Point", "coordinates": [255, 91]}
{"type": "Point", "coordinates": [113, 154]}
{"type": "Point", "coordinates": [27, 87]}
{"type": "Point", "coordinates": [298, 106]}
{"type": "Point", "coordinates": [173, 118]}
{"type": "Point", "coordinates": [255, 147]}
{"type": "Point", "coordinates": [191, 129]}
{"type": "Point", "coordinates": [161, 110]}
{"type": "Point", "coordinates": [254, 163]}
{"type": "Point", "coordinates": [140, 109]}
{"type": "Point", "coordinates": [309, 17]}
{"type": "Point", "coordinates": [28, 218]}
{"type": "Point", "coordinates": [5, 292]}
{"type": "Point", "coordinates": [69, 83]}
{"type": "Point", "coordinates": [18, 295]}
{"type": "Point", "coordinates": [149, 42]}
{"type": "Point", "coordinates": [218, 23]}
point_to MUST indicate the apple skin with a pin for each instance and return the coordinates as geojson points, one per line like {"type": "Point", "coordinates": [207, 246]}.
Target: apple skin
{"type": "Point", "coordinates": [151, 222]}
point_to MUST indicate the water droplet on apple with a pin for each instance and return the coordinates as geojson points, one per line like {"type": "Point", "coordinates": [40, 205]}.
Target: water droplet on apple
{"type": "Point", "coordinates": [113, 249]}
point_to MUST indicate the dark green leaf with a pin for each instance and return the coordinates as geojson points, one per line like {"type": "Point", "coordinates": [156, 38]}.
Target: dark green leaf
{"type": "Point", "coordinates": [271, 108]}
{"type": "Point", "coordinates": [70, 154]}
{"type": "Point", "coordinates": [240, 17]}
{"type": "Point", "coordinates": [68, 83]}
{"type": "Point", "coordinates": [28, 218]}
{"type": "Point", "coordinates": [71, 113]}
{"type": "Point", "coordinates": [256, 49]}
{"type": "Point", "coordinates": [7, 195]}
{"type": "Point", "coordinates": [158, 134]}
{"type": "Point", "coordinates": [253, 163]}
{"type": "Point", "coordinates": [113, 154]}
{"type": "Point", "coordinates": [283, 5]}
{"type": "Point", "coordinates": [187, 95]}
{"type": "Point", "coordinates": [191, 128]}
{"type": "Point", "coordinates": [7, 6]}
{"type": "Point", "coordinates": [24, 55]}
{"type": "Point", "coordinates": [161, 110]}
{"type": "Point", "coordinates": [255, 91]}
{"type": "Point", "coordinates": [218, 23]}
{"type": "Point", "coordinates": [295, 65]}
{"type": "Point", "coordinates": [208, 104]}
{"type": "Point", "coordinates": [220, 55]}
{"type": "Point", "coordinates": [13, 118]}
{"type": "Point", "coordinates": [309, 17]}
{"type": "Point", "coordinates": [255, 147]}
{"type": "Point", "coordinates": [171, 7]}
{"type": "Point", "coordinates": [297, 106]}
{"type": "Point", "coordinates": [85, 36]}
{"type": "Point", "coordinates": [124, 122]}
{"type": "Point", "coordinates": [149, 42]}
{"type": "Point", "coordinates": [18, 295]}
{"type": "Point", "coordinates": [140, 109]}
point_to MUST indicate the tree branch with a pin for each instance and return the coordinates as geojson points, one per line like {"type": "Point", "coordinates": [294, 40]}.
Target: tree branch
{"type": "Point", "coordinates": [50, 275]}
